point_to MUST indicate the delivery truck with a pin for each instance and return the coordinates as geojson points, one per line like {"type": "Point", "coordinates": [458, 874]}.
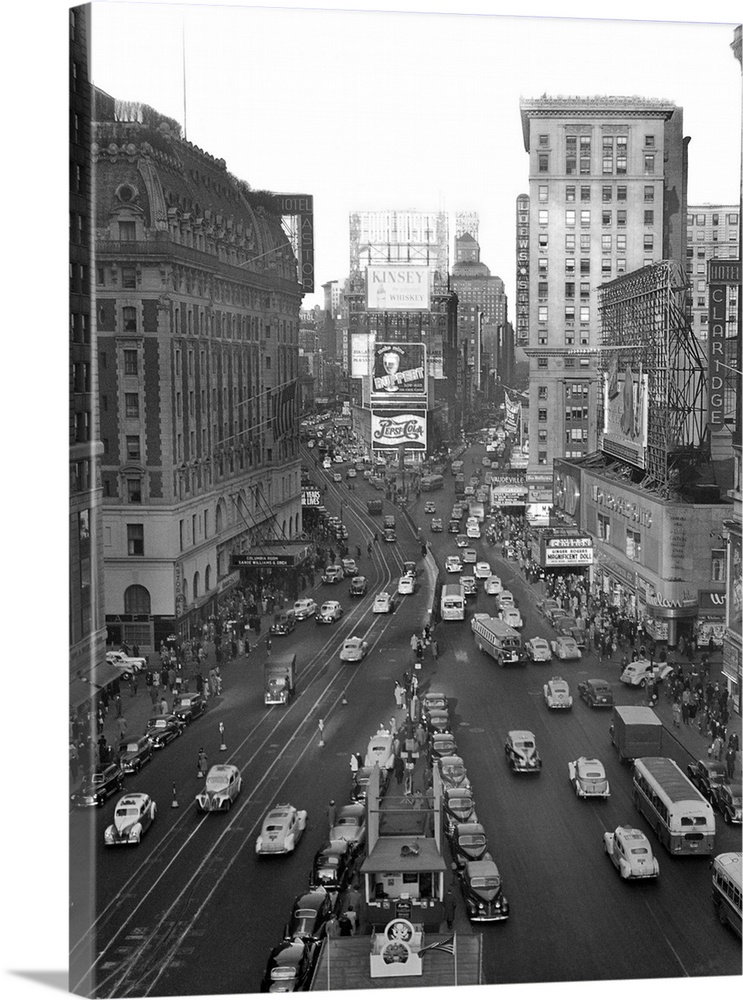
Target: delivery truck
{"type": "Point", "coordinates": [279, 672]}
{"type": "Point", "coordinates": [636, 731]}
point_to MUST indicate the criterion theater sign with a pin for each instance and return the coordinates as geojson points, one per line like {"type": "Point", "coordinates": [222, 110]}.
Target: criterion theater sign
{"type": "Point", "coordinates": [398, 428]}
{"type": "Point", "coordinates": [567, 551]}
{"type": "Point", "coordinates": [399, 373]}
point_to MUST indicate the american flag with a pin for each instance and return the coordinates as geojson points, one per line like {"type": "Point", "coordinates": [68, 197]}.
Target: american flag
{"type": "Point", "coordinates": [447, 945]}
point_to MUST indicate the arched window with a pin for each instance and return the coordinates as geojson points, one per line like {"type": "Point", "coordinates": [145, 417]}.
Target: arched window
{"type": "Point", "coordinates": [208, 579]}
{"type": "Point", "coordinates": [137, 600]}
{"type": "Point", "coordinates": [185, 591]}
{"type": "Point", "coordinates": [220, 517]}
{"type": "Point", "coordinates": [196, 583]}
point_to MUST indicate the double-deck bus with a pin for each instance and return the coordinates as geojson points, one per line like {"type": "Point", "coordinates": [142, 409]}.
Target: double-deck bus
{"type": "Point", "coordinates": [682, 818]}
{"type": "Point", "coordinates": [452, 602]}
{"type": "Point", "coordinates": [726, 888]}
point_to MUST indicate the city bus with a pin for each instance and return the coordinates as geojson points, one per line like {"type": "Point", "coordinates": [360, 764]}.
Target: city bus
{"type": "Point", "coordinates": [452, 602]}
{"type": "Point", "coordinates": [503, 643]}
{"type": "Point", "coordinates": [459, 485]}
{"type": "Point", "coordinates": [431, 483]}
{"type": "Point", "coordinates": [682, 818]}
{"type": "Point", "coordinates": [726, 889]}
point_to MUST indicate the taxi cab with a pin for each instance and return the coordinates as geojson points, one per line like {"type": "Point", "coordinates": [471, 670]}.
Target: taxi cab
{"type": "Point", "coordinates": [134, 815]}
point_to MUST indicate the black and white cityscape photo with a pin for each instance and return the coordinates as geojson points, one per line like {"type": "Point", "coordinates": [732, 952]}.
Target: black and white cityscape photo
{"type": "Point", "coordinates": [405, 607]}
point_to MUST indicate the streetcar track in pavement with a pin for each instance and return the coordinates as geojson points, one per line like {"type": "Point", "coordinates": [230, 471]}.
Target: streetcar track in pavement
{"type": "Point", "coordinates": [157, 937]}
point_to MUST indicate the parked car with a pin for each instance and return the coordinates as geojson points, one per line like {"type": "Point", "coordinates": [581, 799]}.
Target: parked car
{"type": "Point", "coordinates": [384, 604]}
{"type": "Point", "coordinates": [304, 608]}
{"type": "Point", "coordinates": [468, 843]}
{"type": "Point", "coordinates": [332, 574]}
{"type": "Point", "coordinates": [350, 825]}
{"type": "Point", "coordinates": [482, 890]}
{"type": "Point", "coordinates": [98, 785]}
{"type": "Point", "coordinates": [538, 650]}
{"type": "Point", "coordinates": [441, 745]}
{"type": "Point", "coordinates": [189, 706]}
{"type": "Point", "coordinates": [381, 750]}
{"type": "Point", "coordinates": [639, 673]}
{"type": "Point", "coordinates": [354, 649]}
{"type": "Point", "coordinates": [435, 699]}
{"type": "Point", "coordinates": [361, 781]}
{"type": "Point", "coordinates": [126, 665]}
{"type": "Point", "coordinates": [596, 693]}
{"type": "Point", "coordinates": [567, 625]}
{"type": "Point", "coordinates": [330, 611]}
{"type": "Point", "coordinates": [291, 963]}
{"type": "Point", "coordinates": [493, 585]}
{"type": "Point", "coordinates": [521, 751]}
{"type": "Point", "coordinates": [565, 648]}
{"type": "Point", "coordinates": [557, 693]}
{"type": "Point", "coordinates": [549, 608]}
{"type": "Point", "coordinates": [453, 772]}
{"type": "Point", "coordinates": [359, 587]}
{"type": "Point", "coordinates": [631, 853]}
{"type": "Point", "coordinates": [453, 564]}
{"type": "Point", "coordinates": [310, 913]}
{"type": "Point", "coordinates": [727, 798]}
{"type": "Point", "coordinates": [163, 729]}
{"type": "Point", "coordinates": [459, 807]}
{"type": "Point", "coordinates": [707, 775]}
{"type": "Point", "coordinates": [588, 778]}
{"type": "Point", "coordinates": [282, 829]}
{"type": "Point", "coordinates": [133, 816]}
{"type": "Point", "coordinates": [332, 866]}
{"type": "Point", "coordinates": [222, 787]}
{"type": "Point", "coordinates": [134, 753]}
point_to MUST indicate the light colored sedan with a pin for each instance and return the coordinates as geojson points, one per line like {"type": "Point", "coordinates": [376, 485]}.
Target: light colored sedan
{"type": "Point", "coordinates": [453, 564]}
{"type": "Point", "coordinates": [134, 815]}
{"type": "Point", "coordinates": [588, 778]}
{"type": "Point", "coordinates": [493, 585]}
{"type": "Point", "coordinates": [631, 853]}
{"type": "Point", "coordinates": [383, 604]}
{"type": "Point", "coordinates": [222, 787]}
{"type": "Point", "coordinates": [350, 825]}
{"type": "Point", "coordinates": [557, 693]}
{"type": "Point", "coordinates": [305, 608]}
{"type": "Point", "coordinates": [565, 648]}
{"type": "Point", "coordinates": [354, 650]}
{"type": "Point", "coordinates": [512, 617]}
{"type": "Point", "coordinates": [282, 828]}
{"type": "Point", "coordinates": [482, 571]}
{"type": "Point", "coordinates": [538, 650]}
{"type": "Point", "coordinates": [469, 556]}
{"type": "Point", "coordinates": [406, 585]}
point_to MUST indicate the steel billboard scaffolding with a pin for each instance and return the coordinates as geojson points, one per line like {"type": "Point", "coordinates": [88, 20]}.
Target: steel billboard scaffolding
{"type": "Point", "coordinates": [644, 324]}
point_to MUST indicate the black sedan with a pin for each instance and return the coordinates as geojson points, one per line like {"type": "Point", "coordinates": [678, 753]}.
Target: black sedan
{"type": "Point", "coordinates": [707, 775]}
{"type": "Point", "coordinates": [596, 693]}
{"type": "Point", "coordinates": [469, 843]}
{"type": "Point", "coordinates": [332, 867]}
{"type": "Point", "coordinates": [189, 706]}
{"type": "Point", "coordinates": [134, 753]}
{"type": "Point", "coordinates": [163, 729]}
{"type": "Point", "coordinates": [310, 913]}
{"type": "Point", "coordinates": [290, 967]}
{"type": "Point", "coordinates": [98, 785]}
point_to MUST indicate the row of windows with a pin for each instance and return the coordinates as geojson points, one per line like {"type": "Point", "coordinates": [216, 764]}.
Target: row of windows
{"type": "Point", "coordinates": [607, 217]}
{"type": "Point", "coordinates": [612, 162]}
{"type": "Point", "coordinates": [700, 219]}
{"type": "Point", "coordinates": [569, 362]}
{"type": "Point", "coordinates": [607, 192]}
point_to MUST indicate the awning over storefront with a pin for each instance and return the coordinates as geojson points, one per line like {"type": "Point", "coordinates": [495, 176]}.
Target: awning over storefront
{"type": "Point", "coordinates": [83, 689]}
{"type": "Point", "coordinates": [273, 556]}
{"type": "Point", "coordinates": [389, 854]}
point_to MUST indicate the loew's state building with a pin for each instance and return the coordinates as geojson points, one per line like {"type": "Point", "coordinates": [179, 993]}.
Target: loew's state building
{"type": "Point", "coordinates": [197, 299]}
{"type": "Point", "coordinates": [607, 192]}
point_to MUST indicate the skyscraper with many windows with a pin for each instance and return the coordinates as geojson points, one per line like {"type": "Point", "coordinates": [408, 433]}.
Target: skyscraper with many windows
{"type": "Point", "coordinates": [607, 195]}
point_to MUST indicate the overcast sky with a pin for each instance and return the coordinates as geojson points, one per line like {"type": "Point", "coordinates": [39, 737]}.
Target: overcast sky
{"type": "Point", "coordinates": [369, 110]}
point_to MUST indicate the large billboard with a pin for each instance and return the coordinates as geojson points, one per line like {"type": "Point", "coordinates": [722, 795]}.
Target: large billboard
{"type": "Point", "coordinates": [300, 208]}
{"type": "Point", "coordinates": [399, 373]}
{"type": "Point", "coordinates": [398, 289]}
{"type": "Point", "coordinates": [626, 415]}
{"type": "Point", "coordinates": [362, 351]}
{"type": "Point", "coordinates": [398, 428]}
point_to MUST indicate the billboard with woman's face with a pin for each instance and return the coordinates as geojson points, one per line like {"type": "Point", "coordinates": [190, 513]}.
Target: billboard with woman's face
{"type": "Point", "coordinates": [399, 373]}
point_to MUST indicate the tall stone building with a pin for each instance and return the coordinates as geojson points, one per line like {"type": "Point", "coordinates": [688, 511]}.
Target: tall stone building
{"type": "Point", "coordinates": [607, 195]}
{"type": "Point", "coordinates": [713, 233]}
{"type": "Point", "coordinates": [197, 316]}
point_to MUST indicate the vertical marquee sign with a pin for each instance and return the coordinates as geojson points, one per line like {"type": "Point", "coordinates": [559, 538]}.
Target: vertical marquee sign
{"type": "Point", "coordinates": [720, 274]}
{"type": "Point", "coordinates": [300, 208]}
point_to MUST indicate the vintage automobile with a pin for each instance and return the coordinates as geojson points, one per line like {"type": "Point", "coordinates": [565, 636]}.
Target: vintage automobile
{"type": "Point", "coordinates": [473, 530]}
{"type": "Point", "coordinates": [630, 853]}
{"type": "Point", "coordinates": [98, 784]}
{"type": "Point", "coordinates": [441, 745]}
{"type": "Point", "coordinates": [350, 825]}
{"type": "Point", "coordinates": [127, 665]}
{"type": "Point", "coordinates": [410, 568]}
{"type": "Point", "coordinates": [565, 648]}
{"type": "Point", "coordinates": [329, 612]}
{"type": "Point", "coordinates": [282, 828]}
{"type": "Point", "coordinates": [283, 623]}
{"type": "Point", "coordinates": [332, 574]}
{"type": "Point", "coordinates": [457, 512]}
{"type": "Point", "coordinates": [462, 541]}
{"type": "Point", "coordinates": [459, 807]}
{"type": "Point", "coordinates": [470, 586]}
{"type": "Point", "coordinates": [310, 913]}
{"type": "Point", "coordinates": [557, 693]}
{"type": "Point", "coordinates": [453, 772]}
{"type": "Point", "coordinates": [380, 750]}
{"type": "Point", "coordinates": [332, 866]}
{"type": "Point", "coordinates": [134, 753]}
{"type": "Point", "coordinates": [493, 585]}
{"type": "Point", "coordinates": [482, 890]}
{"type": "Point", "coordinates": [349, 567]}
{"type": "Point", "coordinates": [521, 751]}
{"type": "Point", "coordinates": [437, 720]}
{"type": "Point", "coordinates": [482, 570]}
{"type": "Point", "coordinates": [354, 649]}
{"type": "Point", "coordinates": [469, 556]}
{"type": "Point", "coordinates": [469, 843]}
{"type": "Point", "coordinates": [351, 472]}
{"type": "Point", "coordinates": [588, 778]}
{"type": "Point", "coordinates": [384, 604]}
{"type": "Point", "coordinates": [134, 815]}
{"type": "Point", "coordinates": [361, 779]}
{"type": "Point", "coordinates": [304, 608]}
{"type": "Point", "coordinates": [434, 699]}
{"type": "Point", "coordinates": [454, 526]}
{"type": "Point", "coordinates": [358, 587]}
{"type": "Point", "coordinates": [222, 787]}
{"type": "Point", "coordinates": [189, 705]}
{"type": "Point", "coordinates": [511, 616]}
{"type": "Point", "coordinates": [639, 673]}
{"type": "Point", "coordinates": [727, 798]}
{"type": "Point", "coordinates": [291, 963]}
{"type": "Point", "coordinates": [389, 535]}
{"type": "Point", "coordinates": [538, 650]}
{"type": "Point", "coordinates": [429, 507]}
{"type": "Point", "coordinates": [437, 524]}
{"type": "Point", "coordinates": [596, 693]}
{"type": "Point", "coordinates": [337, 477]}
{"type": "Point", "coordinates": [453, 564]}
{"type": "Point", "coordinates": [707, 775]}
{"type": "Point", "coordinates": [505, 600]}
{"type": "Point", "coordinates": [163, 729]}
{"type": "Point", "coordinates": [406, 585]}
{"type": "Point", "coordinates": [567, 625]}
{"type": "Point", "coordinates": [549, 608]}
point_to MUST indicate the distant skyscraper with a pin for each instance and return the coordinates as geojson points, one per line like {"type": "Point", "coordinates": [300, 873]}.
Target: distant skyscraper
{"type": "Point", "coordinates": [467, 222]}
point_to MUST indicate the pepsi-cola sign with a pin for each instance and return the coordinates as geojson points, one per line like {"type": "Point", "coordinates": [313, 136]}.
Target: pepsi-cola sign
{"type": "Point", "coordinates": [398, 429]}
